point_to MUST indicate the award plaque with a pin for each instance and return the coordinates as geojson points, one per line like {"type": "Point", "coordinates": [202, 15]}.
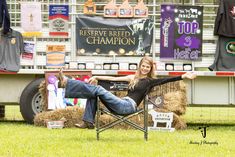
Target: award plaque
{"type": "Point", "coordinates": [89, 7]}
{"type": "Point", "coordinates": [140, 10]}
{"type": "Point", "coordinates": [111, 10]}
{"type": "Point", "coordinates": [125, 9]}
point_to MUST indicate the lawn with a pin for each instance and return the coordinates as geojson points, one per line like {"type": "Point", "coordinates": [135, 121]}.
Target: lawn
{"type": "Point", "coordinates": [18, 139]}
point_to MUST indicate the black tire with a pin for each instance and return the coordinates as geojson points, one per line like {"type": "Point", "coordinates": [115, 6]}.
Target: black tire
{"type": "Point", "coordinates": [30, 101]}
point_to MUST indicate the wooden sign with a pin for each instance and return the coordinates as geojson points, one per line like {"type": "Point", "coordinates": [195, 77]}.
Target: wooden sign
{"type": "Point", "coordinates": [140, 10]}
{"type": "Point", "coordinates": [89, 7]}
{"type": "Point", "coordinates": [161, 118]}
{"type": "Point", "coordinates": [125, 9]}
{"type": "Point", "coordinates": [111, 10]}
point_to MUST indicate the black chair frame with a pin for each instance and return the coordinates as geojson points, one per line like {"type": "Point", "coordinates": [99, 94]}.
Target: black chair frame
{"type": "Point", "coordinates": [121, 119]}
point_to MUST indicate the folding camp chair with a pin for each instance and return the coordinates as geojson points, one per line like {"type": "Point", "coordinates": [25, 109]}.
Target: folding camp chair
{"type": "Point", "coordinates": [153, 97]}
{"type": "Point", "coordinates": [119, 86]}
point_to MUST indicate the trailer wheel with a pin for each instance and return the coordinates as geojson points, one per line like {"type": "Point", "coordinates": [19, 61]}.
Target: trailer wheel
{"type": "Point", "coordinates": [30, 101]}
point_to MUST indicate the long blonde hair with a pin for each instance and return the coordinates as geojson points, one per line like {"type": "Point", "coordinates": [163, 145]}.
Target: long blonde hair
{"type": "Point", "coordinates": [137, 76]}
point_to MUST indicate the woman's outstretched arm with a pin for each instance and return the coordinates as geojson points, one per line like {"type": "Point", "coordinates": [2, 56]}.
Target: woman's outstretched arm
{"type": "Point", "coordinates": [188, 75]}
{"type": "Point", "coordinates": [94, 79]}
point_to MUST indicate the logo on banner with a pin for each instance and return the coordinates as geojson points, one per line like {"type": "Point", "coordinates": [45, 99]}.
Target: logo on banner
{"type": "Point", "coordinates": [233, 11]}
{"type": "Point", "coordinates": [230, 47]}
{"type": "Point", "coordinates": [166, 25]}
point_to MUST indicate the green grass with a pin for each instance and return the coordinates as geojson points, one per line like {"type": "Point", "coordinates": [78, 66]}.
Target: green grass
{"type": "Point", "coordinates": [18, 139]}
{"type": "Point", "coordinates": [12, 112]}
{"type": "Point", "coordinates": [210, 115]}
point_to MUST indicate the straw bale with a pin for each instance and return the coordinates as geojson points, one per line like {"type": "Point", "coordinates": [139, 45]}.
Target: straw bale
{"type": "Point", "coordinates": [175, 101]}
{"type": "Point", "coordinates": [174, 95]}
{"type": "Point", "coordinates": [179, 123]}
{"type": "Point", "coordinates": [43, 92]}
{"type": "Point", "coordinates": [72, 115]}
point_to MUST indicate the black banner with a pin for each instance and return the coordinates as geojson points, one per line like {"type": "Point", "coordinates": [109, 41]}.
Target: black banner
{"type": "Point", "coordinates": [105, 36]}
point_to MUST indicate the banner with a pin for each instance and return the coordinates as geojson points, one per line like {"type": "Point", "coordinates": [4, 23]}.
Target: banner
{"type": "Point", "coordinates": [98, 35]}
{"type": "Point", "coordinates": [58, 20]}
{"type": "Point", "coordinates": [55, 56]}
{"type": "Point", "coordinates": [181, 32]}
{"type": "Point", "coordinates": [31, 20]}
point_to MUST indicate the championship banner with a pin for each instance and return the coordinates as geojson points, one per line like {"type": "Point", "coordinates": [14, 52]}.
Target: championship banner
{"type": "Point", "coordinates": [31, 20]}
{"type": "Point", "coordinates": [58, 20]}
{"type": "Point", "coordinates": [55, 56]}
{"type": "Point", "coordinates": [181, 32]}
{"type": "Point", "coordinates": [98, 35]}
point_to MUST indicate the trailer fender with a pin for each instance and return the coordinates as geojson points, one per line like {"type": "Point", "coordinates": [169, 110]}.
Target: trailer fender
{"type": "Point", "coordinates": [30, 101]}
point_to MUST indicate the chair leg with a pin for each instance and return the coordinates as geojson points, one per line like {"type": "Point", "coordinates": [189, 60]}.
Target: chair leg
{"type": "Point", "coordinates": [98, 120]}
{"type": "Point", "coordinates": [145, 120]}
{"type": "Point", "coordinates": [97, 136]}
{"type": "Point", "coordinates": [146, 136]}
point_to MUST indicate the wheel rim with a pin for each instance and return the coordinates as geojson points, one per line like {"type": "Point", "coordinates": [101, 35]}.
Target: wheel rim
{"type": "Point", "coordinates": [36, 103]}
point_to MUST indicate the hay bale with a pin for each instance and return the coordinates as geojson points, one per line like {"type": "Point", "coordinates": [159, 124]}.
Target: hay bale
{"type": "Point", "coordinates": [72, 115]}
{"type": "Point", "coordinates": [174, 94]}
{"type": "Point", "coordinates": [175, 101]}
{"type": "Point", "coordinates": [43, 92]}
{"type": "Point", "coordinates": [179, 123]}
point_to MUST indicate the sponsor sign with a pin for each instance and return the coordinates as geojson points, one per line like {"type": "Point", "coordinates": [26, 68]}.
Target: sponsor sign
{"type": "Point", "coordinates": [55, 56]}
{"type": "Point", "coordinates": [58, 20]}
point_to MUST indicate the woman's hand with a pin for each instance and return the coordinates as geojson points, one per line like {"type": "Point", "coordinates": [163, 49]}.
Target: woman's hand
{"type": "Point", "coordinates": [189, 75]}
{"type": "Point", "coordinates": [93, 80]}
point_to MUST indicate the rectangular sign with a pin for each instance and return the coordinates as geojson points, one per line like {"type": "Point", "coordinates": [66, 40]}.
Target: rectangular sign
{"type": "Point", "coordinates": [58, 20]}
{"type": "Point", "coordinates": [29, 51]}
{"type": "Point", "coordinates": [99, 35]}
{"type": "Point", "coordinates": [31, 20]}
{"type": "Point", "coordinates": [181, 32]}
{"type": "Point", "coordinates": [55, 56]}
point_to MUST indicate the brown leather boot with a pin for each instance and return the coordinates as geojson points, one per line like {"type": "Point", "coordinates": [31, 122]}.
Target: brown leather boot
{"type": "Point", "coordinates": [62, 81]}
{"type": "Point", "coordinates": [85, 125]}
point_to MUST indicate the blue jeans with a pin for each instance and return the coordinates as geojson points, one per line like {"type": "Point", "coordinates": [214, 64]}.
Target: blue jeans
{"type": "Point", "coordinates": [80, 89]}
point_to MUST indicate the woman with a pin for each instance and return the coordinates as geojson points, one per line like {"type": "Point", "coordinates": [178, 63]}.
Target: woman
{"type": "Point", "coordinates": [139, 85]}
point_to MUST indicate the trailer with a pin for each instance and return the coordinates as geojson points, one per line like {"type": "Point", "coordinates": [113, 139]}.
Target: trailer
{"type": "Point", "coordinates": [21, 88]}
